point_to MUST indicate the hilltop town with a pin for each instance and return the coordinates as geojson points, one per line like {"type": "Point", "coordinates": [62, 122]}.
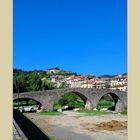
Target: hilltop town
{"type": "Point", "coordinates": [58, 78]}
{"type": "Point", "coordinates": [68, 79]}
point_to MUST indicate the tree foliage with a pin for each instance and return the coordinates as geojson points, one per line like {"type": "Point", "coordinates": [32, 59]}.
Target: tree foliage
{"type": "Point", "coordinates": [70, 99]}
{"type": "Point", "coordinates": [25, 81]}
{"type": "Point", "coordinates": [106, 102]}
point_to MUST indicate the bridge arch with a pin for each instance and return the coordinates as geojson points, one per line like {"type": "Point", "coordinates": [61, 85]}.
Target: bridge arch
{"type": "Point", "coordinates": [81, 95]}
{"type": "Point", "coordinates": [118, 101]}
{"type": "Point", "coordinates": [27, 100]}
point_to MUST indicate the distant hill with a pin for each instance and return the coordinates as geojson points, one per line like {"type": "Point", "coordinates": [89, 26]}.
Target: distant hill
{"type": "Point", "coordinates": [20, 70]}
{"type": "Point", "coordinates": [106, 75]}
{"type": "Point", "coordinates": [61, 72]}
{"type": "Point", "coordinates": [124, 74]}
{"type": "Point", "coordinates": [110, 76]}
{"type": "Point", "coordinates": [17, 70]}
{"type": "Point", "coordinates": [42, 72]}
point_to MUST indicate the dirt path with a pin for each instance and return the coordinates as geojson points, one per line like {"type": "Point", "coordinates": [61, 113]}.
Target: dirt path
{"type": "Point", "coordinates": [76, 126]}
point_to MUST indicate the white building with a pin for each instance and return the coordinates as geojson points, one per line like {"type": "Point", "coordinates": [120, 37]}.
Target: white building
{"type": "Point", "coordinates": [122, 87]}
{"type": "Point", "coordinates": [119, 83]}
{"type": "Point", "coordinates": [84, 82]}
{"type": "Point", "coordinates": [76, 81]}
{"type": "Point", "coordinates": [87, 84]}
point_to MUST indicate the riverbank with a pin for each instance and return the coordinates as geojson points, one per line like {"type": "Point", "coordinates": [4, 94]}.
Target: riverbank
{"type": "Point", "coordinates": [78, 126]}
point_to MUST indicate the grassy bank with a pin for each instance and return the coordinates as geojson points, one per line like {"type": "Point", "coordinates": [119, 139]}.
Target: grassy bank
{"type": "Point", "coordinates": [93, 112]}
{"type": "Point", "coordinates": [50, 113]}
{"type": "Point", "coordinates": [124, 112]}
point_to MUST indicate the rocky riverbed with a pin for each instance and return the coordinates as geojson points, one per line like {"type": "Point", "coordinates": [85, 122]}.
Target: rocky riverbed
{"type": "Point", "coordinates": [77, 126]}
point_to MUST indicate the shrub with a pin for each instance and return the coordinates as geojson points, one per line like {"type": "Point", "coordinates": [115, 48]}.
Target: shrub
{"type": "Point", "coordinates": [104, 104]}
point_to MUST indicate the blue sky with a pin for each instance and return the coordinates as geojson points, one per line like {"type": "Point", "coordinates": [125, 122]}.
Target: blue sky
{"type": "Point", "coordinates": [84, 36]}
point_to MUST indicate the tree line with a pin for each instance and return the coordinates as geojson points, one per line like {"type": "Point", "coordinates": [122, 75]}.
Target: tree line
{"type": "Point", "coordinates": [26, 81]}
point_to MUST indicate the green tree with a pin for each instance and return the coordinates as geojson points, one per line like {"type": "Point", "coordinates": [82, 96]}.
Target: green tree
{"type": "Point", "coordinates": [25, 81]}
{"type": "Point", "coordinates": [63, 85]}
{"type": "Point", "coordinates": [105, 102]}
{"type": "Point", "coordinates": [70, 99]}
{"type": "Point", "coordinates": [49, 84]}
{"type": "Point", "coordinates": [20, 83]}
{"type": "Point", "coordinates": [34, 82]}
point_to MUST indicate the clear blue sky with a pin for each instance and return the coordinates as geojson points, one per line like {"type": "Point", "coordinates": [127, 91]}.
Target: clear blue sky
{"type": "Point", "coordinates": [84, 36]}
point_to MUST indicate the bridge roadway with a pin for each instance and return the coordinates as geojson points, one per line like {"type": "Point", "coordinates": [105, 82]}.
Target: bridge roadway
{"type": "Point", "coordinates": [90, 96]}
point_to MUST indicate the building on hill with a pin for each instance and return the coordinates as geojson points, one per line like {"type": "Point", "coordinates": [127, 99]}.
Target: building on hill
{"type": "Point", "coordinates": [76, 81]}
{"type": "Point", "coordinates": [118, 82]}
{"type": "Point", "coordinates": [115, 83]}
{"type": "Point", "coordinates": [53, 70]}
{"type": "Point", "coordinates": [85, 82]}
{"type": "Point", "coordinates": [121, 87]}
{"type": "Point", "coordinates": [61, 79]}
{"type": "Point", "coordinates": [58, 71]}
{"type": "Point", "coordinates": [99, 83]}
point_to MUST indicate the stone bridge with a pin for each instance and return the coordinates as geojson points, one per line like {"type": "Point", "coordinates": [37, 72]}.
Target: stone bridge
{"type": "Point", "coordinates": [91, 97]}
